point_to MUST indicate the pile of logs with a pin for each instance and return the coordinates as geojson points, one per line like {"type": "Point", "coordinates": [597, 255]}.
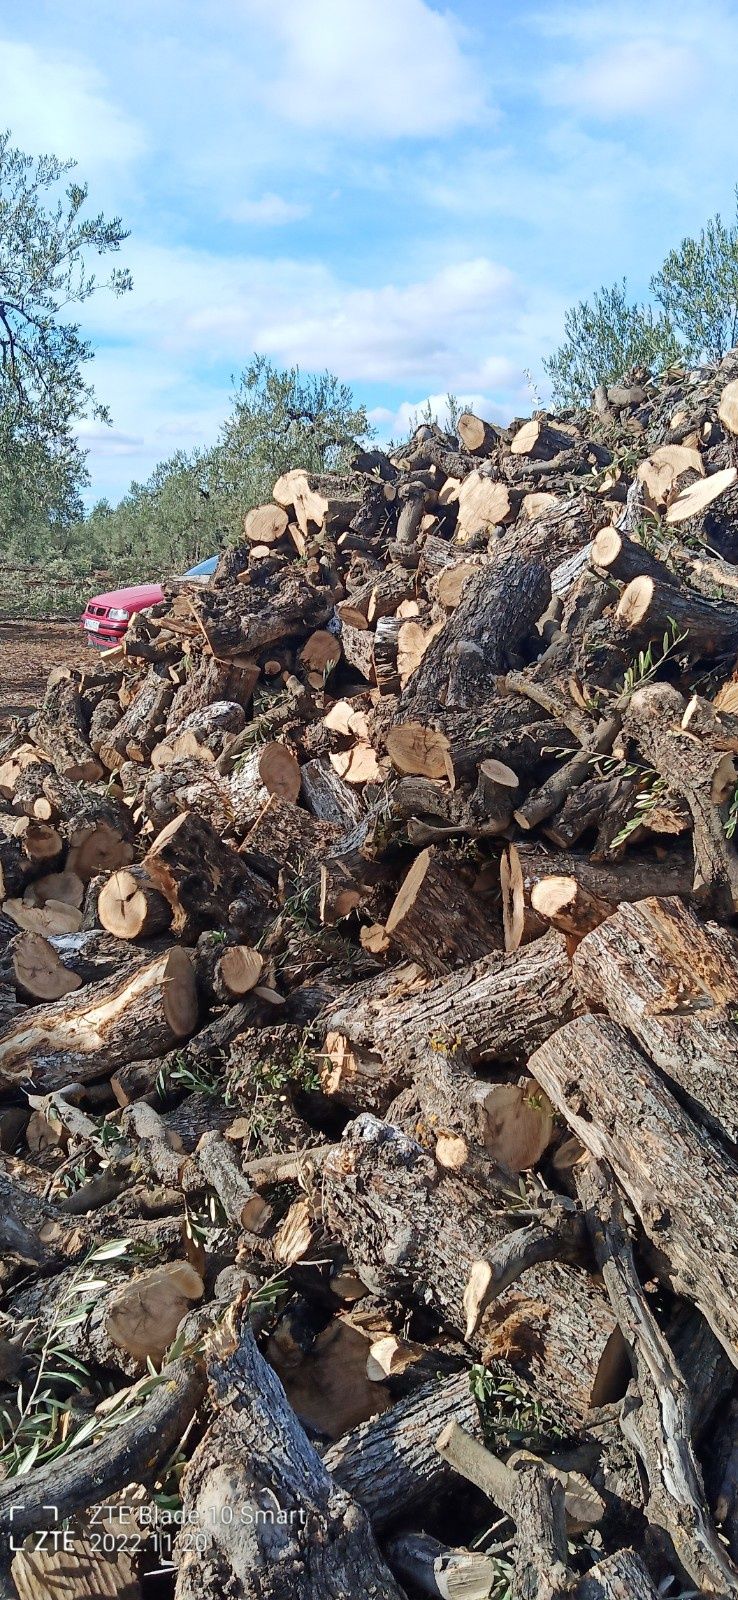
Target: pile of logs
{"type": "Point", "coordinates": [369, 1040]}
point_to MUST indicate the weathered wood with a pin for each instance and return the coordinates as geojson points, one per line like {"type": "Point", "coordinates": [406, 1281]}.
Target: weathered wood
{"type": "Point", "coordinates": [671, 981]}
{"type": "Point", "coordinates": [124, 1018]}
{"type": "Point", "coordinates": [316, 1542]}
{"type": "Point", "coordinates": [435, 920]}
{"type": "Point", "coordinates": [658, 1419]}
{"type": "Point", "coordinates": [681, 1184]}
{"type": "Point", "coordinates": [409, 1232]}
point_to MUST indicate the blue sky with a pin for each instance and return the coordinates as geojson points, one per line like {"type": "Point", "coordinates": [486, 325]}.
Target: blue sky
{"type": "Point", "coordinates": [405, 193]}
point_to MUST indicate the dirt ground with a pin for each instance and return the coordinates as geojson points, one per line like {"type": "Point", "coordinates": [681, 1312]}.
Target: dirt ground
{"type": "Point", "coordinates": [27, 651]}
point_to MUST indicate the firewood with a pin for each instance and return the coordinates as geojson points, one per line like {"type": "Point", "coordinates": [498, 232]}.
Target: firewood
{"type": "Point", "coordinates": [523, 866]}
{"type": "Point", "coordinates": [321, 653]}
{"type": "Point", "coordinates": [662, 1431]}
{"type": "Point", "coordinates": [59, 731]}
{"type": "Point", "coordinates": [226, 972]}
{"type": "Point", "coordinates": [497, 609]}
{"type": "Point", "coordinates": [495, 794]}
{"type": "Point", "coordinates": [265, 524]}
{"type": "Point", "coordinates": [58, 886]}
{"type": "Point", "coordinates": [656, 1151]}
{"type": "Point", "coordinates": [358, 765]}
{"type": "Point", "coordinates": [435, 921]}
{"type": "Point", "coordinates": [650, 609]}
{"type": "Point", "coordinates": [476, 435]}
{"type": "Point", "coordinates": [142, 1318]}
{"type": "Point", "coordinates": [270, 769]}
{"type": "Point", "coordinates": [130, 907]}
{"type": "Point", "coordinates": [623, 558]}
{"type": "Point", "coordinates": [728, 407]}
{"type": "Point", "coordinates": [567, 905]}
{"type": "Point", "coordinates": [120, 1019]}
{"type": "Point", "coordinates": [695, 499]}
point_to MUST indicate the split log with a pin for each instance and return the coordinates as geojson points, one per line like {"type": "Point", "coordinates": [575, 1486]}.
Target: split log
{"type": "Point", "coordinates": [124, 1018]}
{"type": "Point", "coordinates": [671, 982]}
{"type": "Point", "coordinates": [270, 769]}
{"type": "Point", "coordinates": [698, 496]}
{"type": "Point", "coordinates": [327, 796]}
{"type": "Point", "coordinates": [316, 1541]}
{"type": "Point", "coordinates": [435, 920]}
{"type": "Point", "coordinates": [681, 1184]}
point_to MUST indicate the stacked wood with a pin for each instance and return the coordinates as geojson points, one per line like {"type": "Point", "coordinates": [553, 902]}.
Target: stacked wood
{"type": "Point", "coordinates": [368, 1033]}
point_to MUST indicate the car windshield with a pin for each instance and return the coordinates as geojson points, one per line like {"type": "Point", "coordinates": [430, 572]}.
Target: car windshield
{"type": "Point", "coordinates": [204, 569]}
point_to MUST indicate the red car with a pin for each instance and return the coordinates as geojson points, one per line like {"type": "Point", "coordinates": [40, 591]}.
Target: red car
{"type": "Point", "coordinates": [106, 616]}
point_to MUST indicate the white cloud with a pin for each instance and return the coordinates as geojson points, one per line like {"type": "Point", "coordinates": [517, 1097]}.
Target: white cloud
{"type": "Point", "coordinates": [411, 412]}
{"type": "Point", "coordinates": [269, 211]}
{"type": "Point", "coordinates": [445, 328]}
{"type": "Point", "coordinates": [637, 77]}
{"type": "Point", "coordinates": [392, 68]}
{"type": "Point", "coordinates": [57, 104]}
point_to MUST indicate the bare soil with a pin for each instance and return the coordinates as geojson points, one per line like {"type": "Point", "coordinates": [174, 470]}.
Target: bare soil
{"type": "Point", "coordinates": [28, 650]}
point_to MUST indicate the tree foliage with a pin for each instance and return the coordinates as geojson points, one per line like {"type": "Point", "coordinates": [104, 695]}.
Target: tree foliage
{"type": "Point", "coordinates": [192, 504]}
{"type": "Point", "coordinates": [45, 245]}
{"type": "Point", "coordinates": [697, 288]}
{"type": "Point", "coordinates": [604, 338]}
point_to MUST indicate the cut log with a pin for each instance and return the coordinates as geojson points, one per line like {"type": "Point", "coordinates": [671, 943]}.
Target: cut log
{"type": "Point", "coordinates": [38, 972]}
{"type": "Point", "coordinates": [672, 983]}
{"type": "Point", "coordinates": [226, 972]}
{"type": "Point", "coordinates": [54, 917]}
{"type": "Point", "coordinates": [321, 652]}
{"type": "Point", "coordinates": [695, 499]}
{"type": "Point", "coordinates": [496, 793]}
{"type": "Point", "coordinates": [196, 872]}
{"type": "Point", "coordinates": [130, 907]}
{"type": "Point", "coordinates": [621, 1576]}
{"type": "Point", "coordinates": [416, 750]}
{"type": "Point", "coordinates": [683, 1187]}
{"type": "Point", "coordinates": [265, 524]}
{"type": "Point", "coordinates": [540, 440]}
{"type": "Point", "coordinates": [650, 609]}
{"type": "Point", "coordinates": [524, 866]}
{"type": "Point", "coordinates": [435, 920]}
{"type": "Point", "coordinates": [498, 1009]}
{"type": "Point", "coordinates": [142, 723]}
{"type": "Point", "coordinates": [563, 901]}
{"type": "Point", "coordinates": [613, 552]}
{"type": "Point", "coordinates": [125, 1018]}
{"type": "Point", "coordinates": [432, 1568]}
{"type": "Point", "coordinates": [477, 436]}
{"type": "Point", "coordinates": [142, 1318]}
{"type": "Point", "coordinates": [728, 406]}
{"type": "Point", "coordinates": [484, 504]}
{"type": "Point", "coordinates": [270, 769]}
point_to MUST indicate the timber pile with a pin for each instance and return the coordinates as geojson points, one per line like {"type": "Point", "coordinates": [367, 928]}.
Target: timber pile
{"type": "Point", "coordinates": [369, 1044]}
